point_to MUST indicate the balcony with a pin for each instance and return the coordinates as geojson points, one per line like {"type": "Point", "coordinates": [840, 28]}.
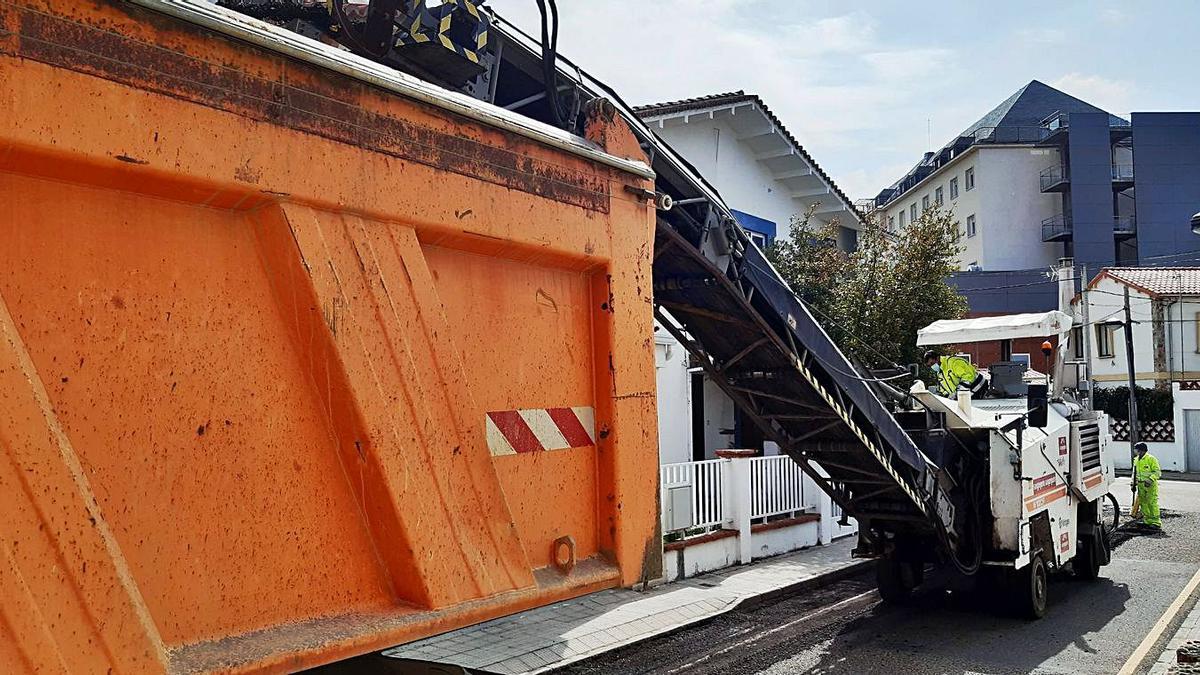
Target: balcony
{"type": "Point", "coordinates": [1060, 227]}
{"type": "Point", "coordinates": [1055, 128]}
{"type": "Point", "coordinates": [1055, 179]}
{"type": "Point", "coordinates": [1124, 226]}
{"type": "Point", "coordinates": [1056, 228]}
{"type": "Point", "coordinates": [1122, 177]}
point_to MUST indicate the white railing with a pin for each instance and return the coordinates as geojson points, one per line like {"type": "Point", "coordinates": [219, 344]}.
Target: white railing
{"type": "Point", "coordinates": [776, 487]}
{"type": "Point", "coordinates": [737, 493]}
{"type": "Point", "coordinates": [708, 484]}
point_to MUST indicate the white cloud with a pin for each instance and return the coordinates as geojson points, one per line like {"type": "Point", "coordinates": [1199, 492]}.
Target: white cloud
{"type": "Point", "coordinates": [867, 182]}
{"type": "Point", "coordinates": [1042, 36]}
{"type": "Point", "coordinates": [1113, 17]}
{"type": "Point", "coordinates": [848, 33]}
{"type": "Point", "coordinates": [1115, 96]}
{"type": "Point", "coordinates": [909, 65]}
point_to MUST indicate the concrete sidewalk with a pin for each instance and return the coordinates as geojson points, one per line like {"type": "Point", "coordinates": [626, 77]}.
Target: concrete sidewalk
{"type": "Point", "coordinates": [549, 637]}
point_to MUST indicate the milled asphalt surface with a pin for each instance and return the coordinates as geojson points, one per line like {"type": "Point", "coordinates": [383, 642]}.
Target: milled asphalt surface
{"type": "Point", "coordinates": [1090, 627]}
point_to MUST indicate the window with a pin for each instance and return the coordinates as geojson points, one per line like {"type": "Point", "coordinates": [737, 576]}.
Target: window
{"type": "Point", "coordinates": [1077, 341]}
{"type": "Point", "coordinates": [971, 225]}
{"type": "Point", "coordinates": [969, 179]}
{"type": "Point", "coordinates": [938, 196]}
{"type": "Point", "coordinates": [902, 219]}
{"type": "Point", "coordinates": [1198, 332]}
{"type": "Point", "coordinates": [759, 239]}
{"type": "Point", "coordinates": [924, 203]}
{"type": "Point", "coordinates": [964, 356]}
{"type": "Point", "coordinates": [1020, 358]}
{"type": "Point", "coordinates": [1104, 339]}
{"type": "Point", "coordinates": [912, 212]}
{"type": "Point", "coordinates": [891, 223]}
{"type": "Point", "coordinates": [954, 188]}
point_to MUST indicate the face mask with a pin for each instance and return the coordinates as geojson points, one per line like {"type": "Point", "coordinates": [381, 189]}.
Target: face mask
{"type": "Point", "coordinates": [937, 368]}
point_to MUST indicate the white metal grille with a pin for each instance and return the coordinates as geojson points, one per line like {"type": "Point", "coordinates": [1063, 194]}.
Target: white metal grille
{"type": "Point", "coordinates": [709, 489]}
{"type": "Point", "coordinates": [776, 487]}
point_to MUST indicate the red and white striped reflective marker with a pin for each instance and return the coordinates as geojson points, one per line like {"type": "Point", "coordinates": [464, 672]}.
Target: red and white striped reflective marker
{"type": "Point", "coordinates": [510, 432]}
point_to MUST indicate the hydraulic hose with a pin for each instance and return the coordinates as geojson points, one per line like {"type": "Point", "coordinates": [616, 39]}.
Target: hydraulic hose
{"type": "Point", "coordinates": [967, 569]}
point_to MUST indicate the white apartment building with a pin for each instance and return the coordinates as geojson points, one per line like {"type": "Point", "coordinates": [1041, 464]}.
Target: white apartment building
{"type": "Point", "coordinates": [993, 192]}
{"type": "Point", "coordinates": [1007, 179]}
{"type": "Point", "coordinates": [761, 170]}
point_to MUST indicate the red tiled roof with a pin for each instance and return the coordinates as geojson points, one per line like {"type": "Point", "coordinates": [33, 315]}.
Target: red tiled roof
{"type": "Point", "coordinates": [1157, 281]}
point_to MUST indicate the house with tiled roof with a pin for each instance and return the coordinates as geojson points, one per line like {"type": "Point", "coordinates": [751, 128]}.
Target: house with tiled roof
{"type": "Point", "coordinates": [1164, 305]}
{"type": "Point", "coordinates": [762, 172]}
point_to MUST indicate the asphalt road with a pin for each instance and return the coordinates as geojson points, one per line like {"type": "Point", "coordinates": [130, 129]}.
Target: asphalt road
{"type": "Point", "coordinates": [1090, 627]}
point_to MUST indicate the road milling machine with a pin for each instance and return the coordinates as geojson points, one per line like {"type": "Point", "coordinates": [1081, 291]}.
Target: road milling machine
{"type": "Point", "coordinates": [1031, 465]}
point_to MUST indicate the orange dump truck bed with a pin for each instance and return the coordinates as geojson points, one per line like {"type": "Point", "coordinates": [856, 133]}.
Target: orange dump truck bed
{"type": "Point", "coordinates": [293, 368]}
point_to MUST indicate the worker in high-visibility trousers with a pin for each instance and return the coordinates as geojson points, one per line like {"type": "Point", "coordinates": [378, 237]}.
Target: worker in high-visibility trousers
{"type": "Point", "coordinates": [1147, 472]}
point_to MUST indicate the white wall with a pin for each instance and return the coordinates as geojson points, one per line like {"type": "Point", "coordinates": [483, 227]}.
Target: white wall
{"type": "Point", "coordinates": [1012, 208]}
{"type": "Point", "coordinates": [674, 399]}
{"type": "Point", "coordinates": [745, 184]}
{"type": "Point", "coordinates": [718, 415]}
{"type": "Point", "coordinates": [1106, 303]}
{"type": "Point", "coordinates": [1171, 456]}
{"type": "Point", "coordinates": [1007, 203]}
{"type": "Point", "coordinates": [1180, 332]}
{"type": "Point", "coordinates": [700, 558]}
{"type": "Point", "coordinates": [1184, 401]}
{"type": "Point", "coordinates": [721, 553]}
{"type": "Point", "coordinates": [1183, 351]}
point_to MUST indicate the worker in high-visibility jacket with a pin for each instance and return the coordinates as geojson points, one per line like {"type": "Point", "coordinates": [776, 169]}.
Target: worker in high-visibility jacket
{"type": "Point", "coordinates": [1147, 472]}
{"type": "Point", "coordinates": [953, 372]}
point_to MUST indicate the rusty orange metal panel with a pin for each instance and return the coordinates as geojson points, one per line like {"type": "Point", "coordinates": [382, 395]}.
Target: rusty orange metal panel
{"type": "Point", "coordinates": [255, 322]}
{"type": "Point", "coordinates": [547, 366]}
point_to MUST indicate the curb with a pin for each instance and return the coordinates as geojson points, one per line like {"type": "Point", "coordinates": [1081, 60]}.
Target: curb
{"type": "Point", "coordinates": [811, 583]}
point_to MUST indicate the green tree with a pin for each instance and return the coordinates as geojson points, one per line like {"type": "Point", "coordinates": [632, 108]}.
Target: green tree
{"type": "Point", "coordinates": [873, 301]}
{"type": "Point", "coordinates": [810, 261]}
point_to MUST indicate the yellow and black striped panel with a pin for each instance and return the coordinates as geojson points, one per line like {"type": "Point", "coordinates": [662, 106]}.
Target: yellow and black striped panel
{"type": "Point", "coordinates": [434, 25]}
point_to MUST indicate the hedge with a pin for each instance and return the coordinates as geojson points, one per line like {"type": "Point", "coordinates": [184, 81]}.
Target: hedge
{"type": "Point", "coordinates": [1153, 404]}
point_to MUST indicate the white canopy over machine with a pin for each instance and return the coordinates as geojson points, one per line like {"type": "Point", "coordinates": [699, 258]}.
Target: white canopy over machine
{"type": "Point", "coordinates": [986, 328]}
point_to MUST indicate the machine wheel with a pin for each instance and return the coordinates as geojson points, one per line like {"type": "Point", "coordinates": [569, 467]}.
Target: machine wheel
{"type": "Point", "coordinates": [897, 579]}
{"type": "Point", "coordinates": [1088, 558]}
{"type": "Point", "coordinates": [1032, 587]}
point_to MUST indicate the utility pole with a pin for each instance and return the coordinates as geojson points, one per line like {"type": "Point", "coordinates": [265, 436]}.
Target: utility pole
{"type": "Point", "coordinates": [1133, 424]}
{"type": "Point", "coordinates": [1085, 336]}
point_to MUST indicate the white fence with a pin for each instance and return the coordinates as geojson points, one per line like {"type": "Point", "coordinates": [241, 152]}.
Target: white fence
{"type": "Point", "coordinates": [701, 494]}
{"type": "Point", "coordinates": [736, 495]}
{"type": "Point", "coordinates": [776, 487]}
{"type": "Point", "coordinates": [707, 489]}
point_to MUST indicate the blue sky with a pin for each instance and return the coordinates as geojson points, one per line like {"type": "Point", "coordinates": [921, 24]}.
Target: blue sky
{"type": "Point", "coordinates": [859, 84]}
